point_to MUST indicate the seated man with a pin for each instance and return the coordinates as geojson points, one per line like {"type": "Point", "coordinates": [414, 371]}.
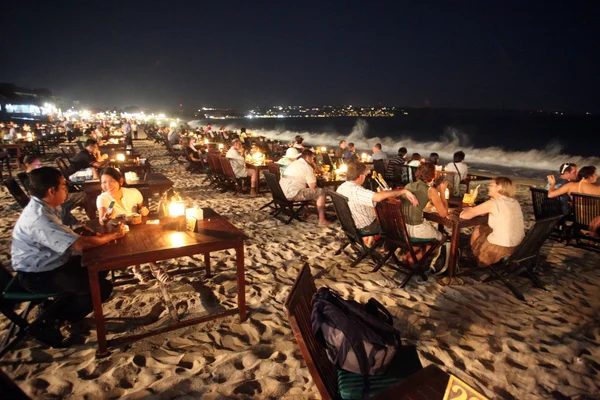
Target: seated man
{"type": "Point", "coordinates": [299, 183]}
{"type": "Point", "coordinates": [459, 167]}
{"type": "Point", "coordinates": [87, 162]}
{"type": "Point", "coordinates": [362, 201]}
{"type": "Point", "coordinates": [378, 154]}
{"type": "Point", "coordinates": [236, 156]}
{"type": "Point", "coordinates": [339, 152]}
{"type": "Point", "coordinates": [399, 159]}
{"type": "Point", "coordinates": [350, 153]}
{"type": "Point", "coordinates": [43, 251]}
{"type": "Point", "coordinates": [568, 173]}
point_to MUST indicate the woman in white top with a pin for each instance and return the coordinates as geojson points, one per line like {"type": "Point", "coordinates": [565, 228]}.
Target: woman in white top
{"type": "Point", "coordinates": [235, 154]}
{"type": "Point", "coordinates": [126, 201]}
{"type": "Point", "coordinates": [505, 230]}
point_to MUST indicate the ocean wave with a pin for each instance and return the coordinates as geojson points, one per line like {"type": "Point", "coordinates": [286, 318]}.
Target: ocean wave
{"type": "Point", "coordinates": [451, 141]}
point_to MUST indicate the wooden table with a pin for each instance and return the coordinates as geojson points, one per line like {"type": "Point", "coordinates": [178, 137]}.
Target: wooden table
{"type": "Point", "coordinates": [331, 182]}
{"type": "Point", "coordinates": [454, 222]}
{"type": "Point", "coordinates": [155, 183]}
{"type": "Point", "coordinates": [16, 147]}
{"type": "Point", "coordinates": [427, 384]}
{"type": "Point", "coordinates": [150, 243]}
{"type": "Point", "coordinates": [112, 146]}
{"type": "Point", "coordinates": [257, 168]}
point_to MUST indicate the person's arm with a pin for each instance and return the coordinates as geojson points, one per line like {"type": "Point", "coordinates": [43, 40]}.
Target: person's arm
{"type": "Point", "coordinates": [564, 189]}
{"type": "Point", "coordinates": [438, 203]}
{"type": "Point", "coordinates": [482, 209]}
{"type": "Point", "coordinates": [103, 216]}
{"type": "Point", "coordinates": [87, 242]}
{"type": "Point", "coordinates": [386, 194]}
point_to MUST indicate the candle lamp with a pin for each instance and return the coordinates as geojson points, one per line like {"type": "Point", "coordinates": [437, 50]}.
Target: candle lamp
{"type": "Point", "coordinates": [258, 157]}
{"type": "Point", "coordinates": [364, 156]}
{"type": "Point", "coordinates": [221, 146]}
{"type": "Point", "coordinates": [324, 149]}
{"type": "Point", "coordinates": [177, 213]}
{"type": "Point", "coordinates": [205, 141]}
{"type": "Point", "coordinates": [120, 157]}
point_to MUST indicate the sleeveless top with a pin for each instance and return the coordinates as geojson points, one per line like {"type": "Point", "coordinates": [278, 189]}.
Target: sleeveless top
{"type": "Point", "coordinates": [506, 221]}
{"type": "Point", "coordinates": [415, 214]}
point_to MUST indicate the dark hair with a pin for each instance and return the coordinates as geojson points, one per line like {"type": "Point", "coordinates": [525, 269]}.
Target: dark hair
{"type": "Point", "coordinates": [42, 179]}
{"type": "Point", "coordinates": [416, 156]}
{"type": "Point", "coordinates": [378, 146]}
{"type": "Point", "coordinates": [402, 151]}
{"type": "Point", "coordinates": [87, 132]}
{"type": "Point", "coordinates": [299, 139]}
{"type": "Point", "coordinates": [355, 169]}
{"type": "Point", "coordinates": [350, 144]}
{"type": "Point", "coordinates": [459, 156]}
{"type": "Point", "coordinates": [30, 158]}
{"type": "Point", "coordinates": [342, 141]}
{"type": "Point", "coordinates": [307, 153]}
{"type": "Point", "coordinates": [113, 173]}
{"type": "Point", "coordinates": [425, 172]}
{"type": "Point", "coordinates": [243, 130]}
{"type": "Point", "coordinates": [90, 142]}
{"type": "Point", "coordinates": [586, 172]}
{"type": "Point", "coordinates": [566, 168]}
{"type": "Point", "coordinates": [434, 158]}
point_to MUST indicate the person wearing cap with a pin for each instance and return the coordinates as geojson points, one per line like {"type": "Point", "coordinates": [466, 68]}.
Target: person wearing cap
{"type": "Point", "coordinates": [567, 173]}
{"type": "Point", "coordinates": [291, 155]}
{"type": "Point", "coordinates": [299, 183]}
{"type": "Point", "coordinates": [362, 201]}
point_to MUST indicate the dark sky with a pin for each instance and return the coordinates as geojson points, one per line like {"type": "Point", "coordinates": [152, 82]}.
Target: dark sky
{"type": "Point", "coordinates": [527, 54]}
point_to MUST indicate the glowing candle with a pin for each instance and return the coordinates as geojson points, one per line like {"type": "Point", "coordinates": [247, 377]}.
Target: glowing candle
{"type": "Point", "coordinates": [120, 157]}
{"type": "Point", "coordinates": [205, 141]}
{"type": "Point", "coordinates": [324, 149]}
{"type": "Point", "coordinates": [221, 146]}
{"type": "Point", "coordinates": [176, 209]}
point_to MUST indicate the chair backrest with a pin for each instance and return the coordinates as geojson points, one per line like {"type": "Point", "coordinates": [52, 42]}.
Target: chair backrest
{"type": "Point", "coordinates": [379, 167]}
{"type": "Point", "coordinates": [327, 160]}
{"type": "Point", "coordinates": [275, 169]}
{"type": "Point", "coordinates": [401, 174]}
{"type": "Point", "coordinates": [63, 165]}
{"type": "Point", "coordinates": [15, 190]}
{"type": "Point", "coordinates": [412, 171]}
{"type": "Point", "coordinates": [543, 207]}
{"type": "Point", "coordinates": [217, 167]}
{"type": "Point", "coordinates": [298, 307]}
{"type": "Point", "coordinates": [534, 239]}
{"type": "Point", "coordinates": [342, 209]}
{"type": "Point", "coordinates": [275, 188]}
{"type": "Point", "coordinates": [227, 168]}
{"type": "Point", "coordinates": [586, 207]}
{"type": "Point", "coordinates": [390, 214]}
{"type": "Point", "coordinates": [24, 179]}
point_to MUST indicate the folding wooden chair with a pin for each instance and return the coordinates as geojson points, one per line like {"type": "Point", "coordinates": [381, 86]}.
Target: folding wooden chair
{"type": "Point", "coordinates": [525, 258]}
{"type": "Point", "coordinates": [544, 207]}
{"type": "Point", "coordinates": [194, 167]}
{"type": "Point", "coordinates": [13, 294]}
{"type": "Point", "coordinates": [586, 207]}
{"type": "Point", "coordinates": [17, 193]}
{"type": "Point", "coordinates": [64, 165]}
{"type": "Point", "coordinates": [354, 237]}
{"type": "Point", "coordinates": [390, 214]}
{"type": "Point", "coordinates": [275, 170]}
{"type": "Point", "coordinates": [401, 175]}
{"type": "Point", "coordinates": [174, 154]}
{"type": "Point", "coordinates": [236, 183]}
{"type": "Point", "coordinates": [282, 205]}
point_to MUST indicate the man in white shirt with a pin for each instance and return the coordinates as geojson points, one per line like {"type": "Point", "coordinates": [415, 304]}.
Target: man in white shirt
{"type": "Point", "coordinates": [460, 170]}
{"type": "Point", "coordinates": [378, 154]}
{"type": "Point", "coordinates": [300, 184]}
{"type": "Point", "coordinates": [362, 201]}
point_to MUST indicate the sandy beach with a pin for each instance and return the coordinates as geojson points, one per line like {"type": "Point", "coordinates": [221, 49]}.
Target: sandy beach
{"type": "Point", "coordinates": [547, 347]}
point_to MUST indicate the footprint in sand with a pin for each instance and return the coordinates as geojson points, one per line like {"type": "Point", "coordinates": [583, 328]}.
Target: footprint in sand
{"type": "Point", "coordinates": [248, 388]}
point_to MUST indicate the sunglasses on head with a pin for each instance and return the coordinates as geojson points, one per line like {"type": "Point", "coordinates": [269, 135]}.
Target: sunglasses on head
{"type": "Point", "coordinates": [564, 167]}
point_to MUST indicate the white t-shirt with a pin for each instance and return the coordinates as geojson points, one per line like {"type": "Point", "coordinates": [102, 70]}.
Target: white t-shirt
{"type": "Point", "coordinates": [462, 168]}
{"type": "Point", "coordinates": [297, 176]}
{"type": "Point", "coordinates": [506, 221]}
{"type": "Point", "coordinates": [131, 198]}
{"type": "Point", "coordinates": [238, 163]}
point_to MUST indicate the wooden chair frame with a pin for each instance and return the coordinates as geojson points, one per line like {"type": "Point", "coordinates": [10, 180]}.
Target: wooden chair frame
{"type": "Point", "coordinates": [281, 204]}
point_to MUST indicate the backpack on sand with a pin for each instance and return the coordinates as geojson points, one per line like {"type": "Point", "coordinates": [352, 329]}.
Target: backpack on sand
{"type": "Point", "coordinates": [359, 338]}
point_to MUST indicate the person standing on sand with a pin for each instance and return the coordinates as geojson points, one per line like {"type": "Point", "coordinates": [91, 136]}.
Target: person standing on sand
{"type": "Point", "coordinates": [299, 183]}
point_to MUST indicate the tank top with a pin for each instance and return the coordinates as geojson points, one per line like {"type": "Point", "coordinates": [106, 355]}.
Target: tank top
{"type": "Point", "coordinates": [506, 221]}
{"type": "Point", "coordinates": [415, 214]}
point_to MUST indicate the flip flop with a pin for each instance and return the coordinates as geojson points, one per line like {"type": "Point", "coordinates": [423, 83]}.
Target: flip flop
{"type": "Point", "coordinates": [160, 274]}
{"type": "Point", "coordinates": [142, 276]}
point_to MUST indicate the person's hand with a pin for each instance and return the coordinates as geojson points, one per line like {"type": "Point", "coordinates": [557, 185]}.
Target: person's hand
{"type": "Point", "coordinates": [144, 211]}
{"type": "Point", "coordinates": [411, 197]}
{"type": "Point", "coordinates": [595, 225]}
{"type": "Point", "coordinates": [443, 186]}
{"type": "Point", "coordinates": [551, 180]}
{"type": "Point", "coordinates": [121, 232]}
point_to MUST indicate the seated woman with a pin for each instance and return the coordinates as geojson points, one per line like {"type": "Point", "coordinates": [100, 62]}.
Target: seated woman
{"type": "Point", "coordinates": [415, 160]}
{"type": "Point", "coordinates": [587, 177]}
{"type": "Point", "coordinates": [235, 154]}
{"type": "Point", "coordinates": [188, 143]}
{"type": "Point", "coordinates": [505, 230]}
{"type": "Point", "coordinates": [126, 201]}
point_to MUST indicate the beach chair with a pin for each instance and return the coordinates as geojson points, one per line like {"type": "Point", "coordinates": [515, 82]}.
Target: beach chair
{"type": "Point", "coordinates": [64, 165]}
{"type": "Point", "coordinates": [281, 204]}
{"type": "Point", "coordinates": [12, 294]}
{"type": "Point", "coordinates": [275, 170]}
{"type": "Point", "coordinates": [525, 258]}
{"type": "Point", "coordinates": [17, 193]}
{"type": "Point", "coordinates": [354, 236]}
{"type": "Point", "coordinates": [390, 214]}
{"type": "Point", "coordinates": [400, 175]}
{"type": "Point", "coordinates": [4, 163]}
{"type": "Point", "coordinates": [174, 155]}
{"type": "Point", "coordinates": [238, 184]}
{"type": "Point", "coordinates": [217, 168]}
{"type": "Point", "coordinates": [586, 207]}
{"type": "Point", "coordinates": [333, 383]}
{"type": "Point", "coordinates": [544, 207]}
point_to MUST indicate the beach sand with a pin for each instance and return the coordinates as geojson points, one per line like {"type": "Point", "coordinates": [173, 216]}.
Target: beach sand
{"type": "Point", "coordinates": [547, 347]}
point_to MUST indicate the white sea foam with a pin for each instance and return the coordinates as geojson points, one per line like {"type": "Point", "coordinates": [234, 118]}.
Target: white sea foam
{"type": "Point", "coordinates": [452, 140]}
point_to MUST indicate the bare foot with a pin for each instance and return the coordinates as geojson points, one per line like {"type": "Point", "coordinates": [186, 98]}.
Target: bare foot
{"type": "Point", "coordinates": [325, 222]}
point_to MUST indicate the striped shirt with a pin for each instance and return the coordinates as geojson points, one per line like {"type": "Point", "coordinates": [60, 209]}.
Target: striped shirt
{"type": "Point", "coordinates": [360, 201]}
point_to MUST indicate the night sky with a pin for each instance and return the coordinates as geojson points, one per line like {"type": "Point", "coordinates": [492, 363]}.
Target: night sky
{"type": "Point", "coordinates": [515, 55]}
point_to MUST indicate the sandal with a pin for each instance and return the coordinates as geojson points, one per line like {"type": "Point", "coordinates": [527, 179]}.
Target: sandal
{"type": "Point", "coordinates": [160, 274]}
{"type": "Point", "coordinates": [142, 276]}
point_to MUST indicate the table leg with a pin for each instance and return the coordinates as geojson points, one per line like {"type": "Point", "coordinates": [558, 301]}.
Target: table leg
{"type": "Point", "coordinates": [98, 313]}
{"type": "Point", "coordinates": [241, 281]}
{"type": "Point", "coordinates": [207, 264]}
{"type": "Point", "coordinates": [452, 257]}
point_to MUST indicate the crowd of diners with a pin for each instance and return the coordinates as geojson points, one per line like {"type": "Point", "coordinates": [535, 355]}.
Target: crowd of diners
{"type": "Point", "coordinates": [46, 248]}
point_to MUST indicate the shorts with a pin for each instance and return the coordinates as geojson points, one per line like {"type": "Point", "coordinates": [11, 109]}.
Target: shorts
{"type": "Point", "coordinates": [488, 253]}
{"type": "Point", "coordinates": [308, 194]}
{"type": "Point", "coordinates": [372, 228]}
{"type": "Point", "coordinates": [425, 230]}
